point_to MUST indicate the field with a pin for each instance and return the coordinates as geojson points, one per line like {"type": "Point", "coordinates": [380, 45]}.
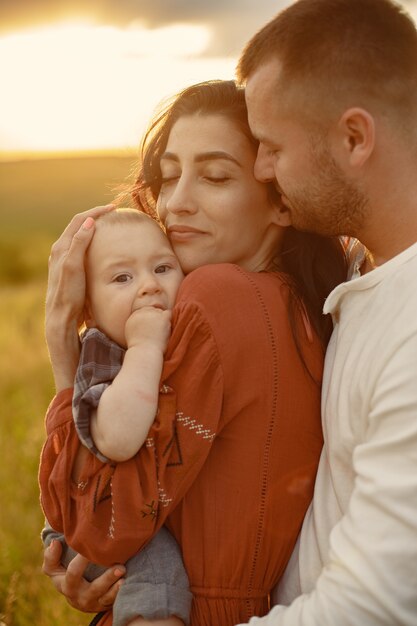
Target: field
{"type": "Point", "coordinates": [36, 200]}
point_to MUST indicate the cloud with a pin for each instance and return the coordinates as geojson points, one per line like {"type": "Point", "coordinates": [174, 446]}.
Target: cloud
{"type": "Point", "coordinates": [231, 22]}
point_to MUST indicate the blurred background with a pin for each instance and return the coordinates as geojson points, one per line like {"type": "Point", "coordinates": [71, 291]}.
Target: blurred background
{"type": "Point", "coordinates": [79, 80]}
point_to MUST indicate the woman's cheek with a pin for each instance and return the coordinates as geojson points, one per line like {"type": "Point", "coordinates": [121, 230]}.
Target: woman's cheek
{"type": "Point", "coordinates": [161, 207]}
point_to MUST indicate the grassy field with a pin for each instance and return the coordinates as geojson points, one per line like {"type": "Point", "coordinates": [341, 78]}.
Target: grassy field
{"type": "Point", "coordinates": [36, 200]}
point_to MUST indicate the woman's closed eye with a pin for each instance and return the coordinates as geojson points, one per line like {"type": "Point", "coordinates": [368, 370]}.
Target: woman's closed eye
{"type": "Point", "coordinates": [168, 180]}
{"type": "Point", "coordinates": [217, 179]}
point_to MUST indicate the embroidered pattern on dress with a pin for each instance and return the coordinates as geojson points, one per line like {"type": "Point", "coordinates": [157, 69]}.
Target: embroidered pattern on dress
{"type": "Point", "coordinates": [192, 424]}
{"type": "Point", "coordinates": [150, 510]}
{"type": "Point", "coordinates": [101, 495]}
{"type": "Point", "coordinates": [163, 496]}
{"type": "Point", "coordinates": [173, 448]}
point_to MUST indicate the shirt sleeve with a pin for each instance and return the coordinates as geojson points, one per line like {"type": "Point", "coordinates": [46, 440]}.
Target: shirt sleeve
{"type": "Point", "coordinates": [371, 576]}
{"type": "Point", "coordinates": [115, 509]}
{"type": "Point", "coordinates": [100, 361]}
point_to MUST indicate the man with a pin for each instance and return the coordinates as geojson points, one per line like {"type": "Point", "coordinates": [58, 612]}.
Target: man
{"type": "Point", "coordinates": [332, 98]}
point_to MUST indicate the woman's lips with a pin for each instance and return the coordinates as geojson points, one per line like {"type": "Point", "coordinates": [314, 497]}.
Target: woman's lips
{"type": "Point", "coordinates": [183, 233]}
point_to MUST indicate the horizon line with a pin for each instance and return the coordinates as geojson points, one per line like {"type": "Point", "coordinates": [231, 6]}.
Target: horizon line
{"type": "Point", "coordinates": [36, 155]}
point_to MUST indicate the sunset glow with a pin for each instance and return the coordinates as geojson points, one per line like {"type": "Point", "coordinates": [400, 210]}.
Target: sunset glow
{"type": "Point", "coordinates": [76, 86]}
{"type": "Point", "coordinates": [89, 76]}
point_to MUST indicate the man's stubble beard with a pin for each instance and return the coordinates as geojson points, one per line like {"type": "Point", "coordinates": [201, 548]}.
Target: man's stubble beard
{"type": "Point", "coordinates": [331, 205]}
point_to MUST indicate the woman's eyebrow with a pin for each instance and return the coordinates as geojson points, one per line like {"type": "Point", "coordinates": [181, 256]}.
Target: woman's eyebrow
{"type": "Point", "coordinates": [204, 156]}
{"type": "Point", "coordinates": [214, 155]}
{"type": "Point", "coordinates": [169, 156]}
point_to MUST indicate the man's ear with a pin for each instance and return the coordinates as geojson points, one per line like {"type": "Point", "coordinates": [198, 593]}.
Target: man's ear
{"type": "Point", "coordinates": [356, 129]}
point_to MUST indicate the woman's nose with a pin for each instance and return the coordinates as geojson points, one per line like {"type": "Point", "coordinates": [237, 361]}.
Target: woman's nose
{"type": "Point", "coordinates": [264, 166]}
{"type": "Point", "coordinates": [181, 199]}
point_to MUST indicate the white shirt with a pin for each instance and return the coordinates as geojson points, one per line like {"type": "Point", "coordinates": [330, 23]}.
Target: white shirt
{"type": "Point", "coordinates": [356, 560]}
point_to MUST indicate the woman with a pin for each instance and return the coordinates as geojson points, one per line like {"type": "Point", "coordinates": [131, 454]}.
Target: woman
{"type": "Point", "coordinates": [233, 452]}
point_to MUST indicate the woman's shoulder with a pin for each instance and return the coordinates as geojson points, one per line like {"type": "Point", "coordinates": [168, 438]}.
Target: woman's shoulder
{"type": "Point", "coordinates": [223, 293]}
{"type": "Point", "coordinates": [208, 277]}
{"type": "Point", "coordinates": [227, 281]}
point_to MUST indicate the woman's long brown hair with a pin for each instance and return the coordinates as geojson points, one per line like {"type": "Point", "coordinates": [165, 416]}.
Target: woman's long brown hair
{"type": "Point", "coordinates": [314, 263]}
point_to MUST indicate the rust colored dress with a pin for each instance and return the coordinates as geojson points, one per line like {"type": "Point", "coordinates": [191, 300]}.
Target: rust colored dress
{"type": "Point", "coordinates": [230, 461]}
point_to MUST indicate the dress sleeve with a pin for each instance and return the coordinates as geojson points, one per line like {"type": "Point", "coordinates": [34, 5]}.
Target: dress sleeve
{"type": "Point", "coordinates": [115, 509]}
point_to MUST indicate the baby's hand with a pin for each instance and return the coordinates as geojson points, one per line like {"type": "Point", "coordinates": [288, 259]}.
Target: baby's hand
{"type": "Point", "coordinates": [148, 326]}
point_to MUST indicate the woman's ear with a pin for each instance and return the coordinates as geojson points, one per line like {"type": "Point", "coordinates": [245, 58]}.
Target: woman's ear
{"type": "Point", "coordinates": [282, 215]}
{"type": "Point", "coordinates": [356, 129]}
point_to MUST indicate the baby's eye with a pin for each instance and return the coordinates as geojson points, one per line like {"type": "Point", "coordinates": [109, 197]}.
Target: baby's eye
{"type": "Point", "coordinates": [122, 278]}
{"type": "Point", "coordinates": [161, 269]}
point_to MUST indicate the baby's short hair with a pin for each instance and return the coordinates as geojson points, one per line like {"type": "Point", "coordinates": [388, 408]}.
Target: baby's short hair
{"type": "Point", "coordinates": [123, 215]}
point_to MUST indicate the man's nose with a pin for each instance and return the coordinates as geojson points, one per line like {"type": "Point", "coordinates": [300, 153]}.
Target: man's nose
{"type": "Point", "coordinates": [264, 166]}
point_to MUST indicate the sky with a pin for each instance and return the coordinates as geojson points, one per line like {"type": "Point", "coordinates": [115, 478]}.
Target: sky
{"type": "Point", "coordinates": [83, 75]}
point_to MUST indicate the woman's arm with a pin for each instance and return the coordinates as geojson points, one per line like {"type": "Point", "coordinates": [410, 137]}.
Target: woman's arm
{"type": "Point", "coordinates": [128, 406]}
{"type": "Point", "coordinates": [113, 510]}
{"type": "Point", "coordinates": [65, 295]}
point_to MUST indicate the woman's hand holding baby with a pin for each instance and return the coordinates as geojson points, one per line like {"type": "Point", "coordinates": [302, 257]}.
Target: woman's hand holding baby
{"type": "Point", "coordinates": [66, 294]}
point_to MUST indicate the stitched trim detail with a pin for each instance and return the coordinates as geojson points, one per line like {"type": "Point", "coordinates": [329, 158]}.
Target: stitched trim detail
{"type": "Point", "coordinates": [164, 499]}
{"type": "Point", "coordinates": [192, 424]}
{"type": "Point", "coordinates": [268, 440]}
{"type": "Point", "coordinates": [113, 517]}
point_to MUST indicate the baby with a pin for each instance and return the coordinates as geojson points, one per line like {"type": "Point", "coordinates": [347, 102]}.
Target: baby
{"type": "Point", "coordinates": [132, 280]}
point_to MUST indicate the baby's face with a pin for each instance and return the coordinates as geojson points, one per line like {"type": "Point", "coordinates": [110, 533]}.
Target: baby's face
{"type": "Point", "coordinates": [129, 265]}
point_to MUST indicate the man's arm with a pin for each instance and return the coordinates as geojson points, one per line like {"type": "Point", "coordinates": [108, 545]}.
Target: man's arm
{"type": "Point", "coordinates": [371, 574]}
